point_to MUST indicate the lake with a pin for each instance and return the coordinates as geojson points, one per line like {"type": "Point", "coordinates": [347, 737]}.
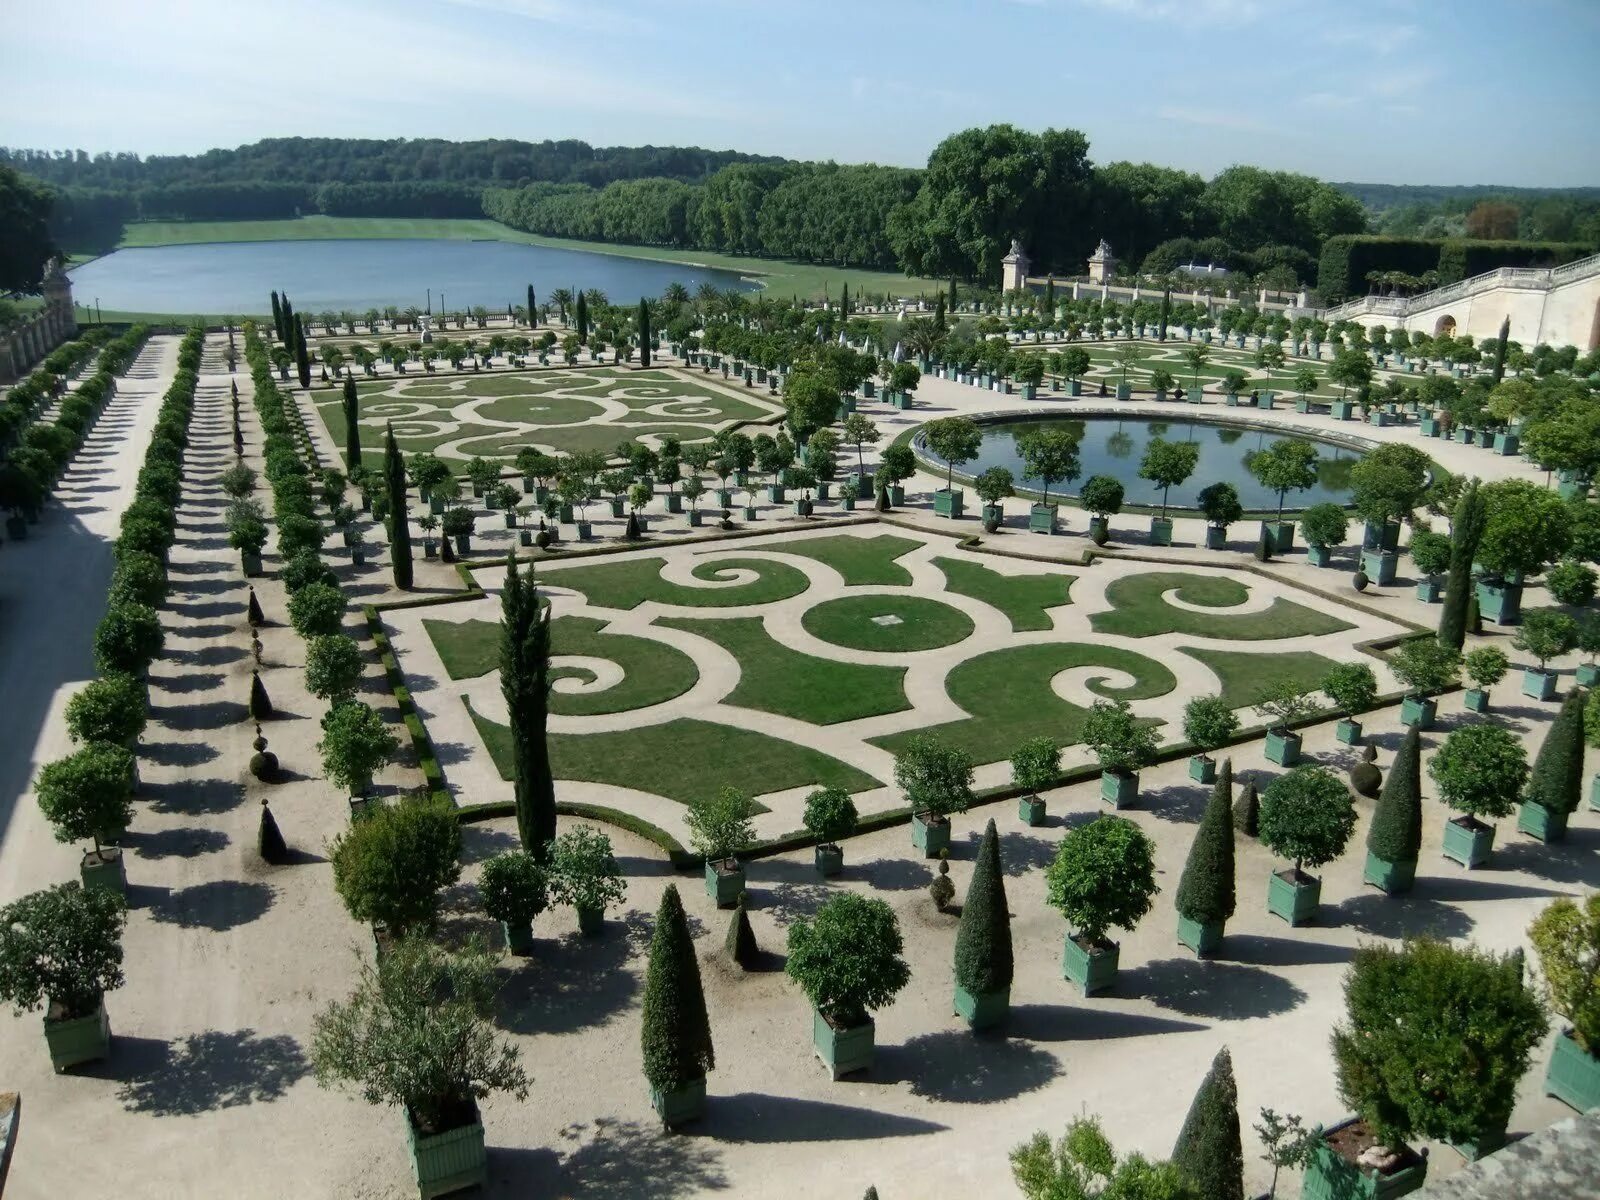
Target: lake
{"type": "Point", "coordinates": [358, 274]}
{"type": "Point", "coordinates": [1114, 447]}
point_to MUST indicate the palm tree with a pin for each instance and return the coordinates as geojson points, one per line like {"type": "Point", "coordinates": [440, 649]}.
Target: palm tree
{"type": "Point", "coordinates": [411, 316]}
{"type": "Point", "coordinates": [480, 314]}
{"type": "Point", "coordinates": [596, 300]}
{"type": "Point", "coordinates": [563, 298]}
{"type": "Point", "coordinates": [1196, 357]}
{"type": "Point", "coordinates": [371, 318]}
{"type": "Point", "coordinates": [675, 295]}
{"type": "Point", "coordinates": [391, 314]}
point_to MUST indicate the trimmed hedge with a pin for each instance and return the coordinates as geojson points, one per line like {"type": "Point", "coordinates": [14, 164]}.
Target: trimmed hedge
{"type": "Point", "coordinates": [1348, 258]}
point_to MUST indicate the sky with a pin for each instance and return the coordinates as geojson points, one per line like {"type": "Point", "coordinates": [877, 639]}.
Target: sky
{"type": "Point", "coordinates": [1396, 91]}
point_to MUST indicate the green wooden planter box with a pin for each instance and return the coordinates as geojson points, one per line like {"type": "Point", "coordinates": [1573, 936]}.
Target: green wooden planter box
{"type": "Point", "coordinates": [1419, 711]}
{"type": "Point", "coordinates": [983, 1010]}
{"type": "Point", "coordinates": [930, 834]}
{"type": "Point", "coordinates": [828, 860]}
{"type": "Point", "coordinates": [1074, 387]}
{"type": "Point", "coordinates": [1294, 900]}
{"type": "Point", "coordinates": [681, 1105]}
{"type": "Point", "coordinates": [1588, 675]}
{"type": "Point", "coordinates": [1093, 973]}
{"type": "Point", "coordinates": [1341, 410]}
{"type": "Point", "coordinates": [1537, 821]}
{"type": "Point", "coordinates": [591, 921]}
{"type": "Point", "coordinates": [1119, 788]}
{"type": "Point", "coordinates": [1541, 685]}
{"type": "Point", "coordinates": [1160, 531]}
{"type": "Point", "coordinates": [1380, 566]}
{"type": "Point", "coordinates": [948, 503]}
{"type": "Point", "coordinates": [1475, 700]}
{"type": "Point", "coordinates": [843, 1050]}
{"type": "Point", "coordinates": [104, 871]}
{"type": "Point", "coordinates": [1348, 732]}
{"type": "Point", "coordinates": [1573, 1076]}
{"type": "Point", "coordinates": [1282, 535]}
{"type": "Point", "coordinates": [1030, 810]}
{"type": "Point", "coordinates": [1430, 426]}
{"type": "Point", "coordinates": [1428, 591]}
{"type": "Point", "coordinates": [1100, 527]}
{"type": "Point", "coordinates": [1329, 1176]}
{"type": "Point", "coordinates": [1283, 748]}
{"type": "Point", "coordinates": [1484, 1144]}
{"type": "Point", "coordinates": [447, 1162]}
{"type": "Point", "coordinates": [1468, 845]}
{"type": "Point", "coordinates": [1203, 937]}
{"type": "Point", "coordinates": [1202, 768]}
{"type": "Point", "coordinates": [1594, 793]}
{"type": "Point", "coordinates": [1319, 556]}
{"type": "Point", "coordinates": [775, 494]}
{"type": "Point", "coordinates": [617, 507]}
{"type": "Point", "coordinates": [1216, 537]}
{"type": "Point", "coordinates": [1042, 518]}
{"type": "Point", "coordinates": [674, 505]}
{"type": "Point", "coordinates": [519, 938]}
{"type": "Point", "coordinates": [1507, 444]}
{"type": "Point", "coordinates": [724, 885]}
{"type": "Point", "coordinates": [78, 1040]}
{"type": "Point", "coordinates": [1395, 878]}
{"type": "Point", "coordinates": [1499, 601]}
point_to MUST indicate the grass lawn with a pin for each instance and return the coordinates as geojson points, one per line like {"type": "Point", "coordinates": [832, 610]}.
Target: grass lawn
{"type": "Point", "coordinates": [1139, 610]}
{"type": "Point", "coordinates": [776, 679]}
{"type": "Point", "coordinates": [1009, 695]}
{"type": "Point", "coordinates": [860, 560]}
{"type": "Point", "coordinates": [1025, 599]}
{"type": "Point", "coordinates": [782, 279]}
{"type": "Point", "coordinates": [682, 760]}
{"type": "Point", "coordinates": [1169, 356]}
{"type": "Point", "coordinates": [852, 621]}
{"type": "Point", "coordinates": [653, 672]}
{"type": "Point", "coordinates": [630, 583]}
{"type": "Point", "coordinates": [1248, 678]}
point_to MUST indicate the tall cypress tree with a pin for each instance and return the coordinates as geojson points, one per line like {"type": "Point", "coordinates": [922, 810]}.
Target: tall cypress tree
{"type": "Point", "coordinates": [533, 318]}
{"type": "Point", "coordinates": [302, 353]}
{"type": "Point", "coordinates": [644, 333]}
{"type": "Point", "coordinates": [938, 314]}
{"type": "Point", "coordinates": [983, 939]}
{"type": "Point", "coordinates": [1396, 832]}
{"type": "Point", "coordinates": [525, 683]}
{"type": "Point", "coordinates": [674, 1033]}
{"type": "Point", "coordinates": [1500, 351]}
{"type": "Point", "coordinates": [287, 337]}
{"type": "Point", "coordinates": [1247, 810]}
{"type": "Point", "coordinates": [952, 293]}
{"type": "Point", "coordinates": [1209, 1151]}
{"type": "Point", "coordinates": [394, 475]}
{"type": "Point", "coordinates": [1206, 889]}
{"type": "Point", "coordinates": [352, 432]}
{"type": "Point", "coordinates": [1556, 781]}
{"type": "Point", "coordinates": [583, 320]}
{"type": "Point", "coordinates": [1050, 296]}
{"type": "Point", "coordinates": [277, 317]}
{"type": "Point", "coordinates": [1166, 313]}
{"type": "Point", "coordinates": [1466, 529]}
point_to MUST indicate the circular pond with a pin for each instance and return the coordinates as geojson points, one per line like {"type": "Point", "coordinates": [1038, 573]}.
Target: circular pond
{"type": "Point", "coordinates": [1114, 445]}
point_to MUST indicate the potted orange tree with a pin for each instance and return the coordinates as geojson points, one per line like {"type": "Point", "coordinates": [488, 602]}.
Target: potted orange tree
{"type": "Point", "coordinates": [720, 829]}
{"type": "Point", "coordinates": [847, 961]}
{"type": "Point", "coordinates": [1423, 666]}
{"type": "Point", "coordinates": [1123, 744]}
{"type": "Point", "coordinates": [1567, 938]}
{"type": "Point", "coordinates": [1209, 724]}
{"type": "Point", "coordinates": [1479, 771]}
{"type": "Point", "coordinates": [829, 816]}
{"type": "Point", "coordinates": [514, 891]}
{"type": "Point", "coordinates": [88, 796]}
{"type": "Point", "coordinates": [1034, 767]}
{"type": "Point", "coordinates": [1306, 816]}
{"type": "Point", "coordinates": [1353, 688]}
{"type": "Point", "coordinates": [1284, 703]}
{"type": "Point", "coordinates": [1102, 878]}
{"type": "Point", "coordinates": [584, 875]}
{"type": "Point", "coordinates": [937, 781]}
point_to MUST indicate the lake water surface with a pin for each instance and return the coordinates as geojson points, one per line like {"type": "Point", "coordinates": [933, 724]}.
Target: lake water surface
{"type": "Point", "coordinates": [358, 274]}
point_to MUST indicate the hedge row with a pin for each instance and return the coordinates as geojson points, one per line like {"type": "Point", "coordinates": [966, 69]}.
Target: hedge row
{"type": "Point", "coordinates": [24, 401]}
{"type": "Point", "coordinates": [1348, 258]}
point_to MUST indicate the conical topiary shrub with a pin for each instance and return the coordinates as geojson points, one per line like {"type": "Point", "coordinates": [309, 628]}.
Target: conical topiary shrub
{"type": "Point", "coordinates": [1205, 897]}
{"type": "Point", "coordinates": [675, 1033]}
{"type": "Point", "coordinates": [269, 841]}
{"type": "Point", "coordinates": [260, 702]}
{"type": "Point", "coordinates": [741, 940]}
{"type": "Point", "coordinates": [253, 611]}
{"type": "Point", "coordinates": [1247, 810]}
{"type": "Point", "coordinates": [632, 532]}
{"type": "Point", "coordinates": [1555, 786]}
{"type": "Point", "coordinates": [1209, 1152]}
{"type": "Point", "coordinates": [983, 941]}
{"type": "Point", "coordinates": [1395, 837]}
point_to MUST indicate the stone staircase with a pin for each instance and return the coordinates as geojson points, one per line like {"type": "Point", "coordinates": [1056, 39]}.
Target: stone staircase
{"type": "Point", "coordinates": [1541, 279]}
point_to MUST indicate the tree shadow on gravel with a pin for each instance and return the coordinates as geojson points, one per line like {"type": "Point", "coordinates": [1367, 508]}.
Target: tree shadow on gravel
{"type": "Point", "coordinates": [1572, 860]}
{"type": "Point", "coordinates": [1397, 917]}
{"type": "Point", "coordinates": [608, 1159]}
{"type": "Point", "coordinates": [182, 685]}
{"type": "Point", "coordinates": [786, 890]}
{"type": "Point", "coordinates": [209, 656]}
{"type": "Point", "coordinates": [757, 1117]}
{"type": "Point", "coordinates": [1179, 803]}
{"type": "Point", "coordinates": [568, 984]}
{"type": "Point", "coordinates": [219, 905]}
{"type": "Point", "coordinates": [205, 1071]}
{"type": "Point", "coordinates": [953, 1066]}
{"type": "Point", "coordinates": [891, 874]}
{"type": "Point", "coordinates": [1219, 990]}
{"type": "Point", "coordinates": [194, 797]}
{"type": "Point", "coordinates": [185, 841]}
{"type": "Point", "coordinates": [1062, 1023]}
{"type": "Point", "coordinates": [216, 714]}
{"type": "Point", "coordinates": [178, 754]}
{"type": "Point", "coordinates": [1474, 885]}
{"type": "Point", "coordinates": [1262, 950]}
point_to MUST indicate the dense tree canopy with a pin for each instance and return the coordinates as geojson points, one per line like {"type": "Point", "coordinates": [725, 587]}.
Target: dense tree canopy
{"type": "Point", "coordinates": [25, 242]}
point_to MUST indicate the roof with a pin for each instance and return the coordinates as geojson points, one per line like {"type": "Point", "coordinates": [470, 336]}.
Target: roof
{"type": "Point", "coordinates": [1561, 1162]}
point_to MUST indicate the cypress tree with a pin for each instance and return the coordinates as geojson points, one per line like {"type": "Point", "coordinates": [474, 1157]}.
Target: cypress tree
{"type": "Point", "coordinates": [1396, 832]}
{"type": "Point", "coordinates": [953, 293]}
{"type": "Point", "coordinates": [302, 355]}
{"type": "Point", "coordinates": [533, 319]}
{"type": "Point", "coordinates": [644, 333]}
{"type": "Point", "coordinates": [1206, 891]}
{"type": "Point", "coordinates": [844, 300]}
{"type": "Point", "coordinates": [1166, 313]}
{"type": "Point", "coordinates": [1050, 295]}
{"type": "Point", "coordinates": [1500, 351]}
{"type": "Point", "coordinates": [983, 939]}
{"type": "Point", "coordinates": [1209, 1152]}
{"type": "Point", "coordinates": [260, 702]}
{"type": "Point", "coordinates": [583, 320]}
{"type": "Point", "coordinates": [740, 943]}
{"type": "Point", "coordinates": [525, 683]}
{"type": "Point", "coordinates": [269, 840]}
{"type": "Point", "coordinates": [1556, 781]}
{"type": "Point", "coordinates": [938, 314]}
{"type": "Point", "coordinates": [674, 1034]}
{"type": "Point", "coordinates": [1247, 810]}
{"type": "Point", "coordinates": [253, 610]}
{"type": "Point", "coordinates": [277, 316]}
{"type": "Point", "coordinates": [1466, 528]}
{"type": "Point", "coordinates": [352, 434]}
{"type": "Point", "coordinates": [287, 335]}
{"type": "Point", "coordinates": [394, 476]}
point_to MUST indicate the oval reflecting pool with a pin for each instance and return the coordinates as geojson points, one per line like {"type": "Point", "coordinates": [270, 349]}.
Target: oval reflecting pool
{"type": "Point", "coordinates": [1113, 445]}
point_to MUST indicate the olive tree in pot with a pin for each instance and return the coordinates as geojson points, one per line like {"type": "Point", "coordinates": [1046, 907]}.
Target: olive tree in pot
{"type": "Point", "coordinates": [1394, 838]}
{"type": "Point", "coordinates": [1123, 744]}
{"type": "Point", "coordinates": [584, 875]}
{"type": "Point", "coordinates": [1284, 703]}
{"type": "Point", "coordinates": [1485, 667]}
{"type": "Point", "coordinates": [1566, 936]}
{"type": "Point", "coordinates": [1430, 554]}
{"type": "Point", "coordinates": [61, 949]}
{"type": "Point", "coordinates": [1323, 526]}
{"type": "Point", "coordinates": [389, 866]}
{"type": "Point", "coordinates": [1555, 785]}
{"type": "Point", "coordinates": [1353, 688]}
{"type": "Point", "coordinates": [1102, 878]}
{"type": "Point", "coordinates": [847, 960]}
{"type": "Point", "coordinates": [1479, 772]}
{"type": "Point", "coordinates": [1034, 767]}
{"type": "Point", "coordinates": [1206, 897]}
{"type": "Point", "coordinates": [514, 891]}
{"type": "Point", "coordinates": [1220, 504]}
{"type": "Point", "coordinates": [830, 816]}
{"type": "Point", "coordinates": [1419, 1014]}
{"type": "Point", "coordinates": [1209, 724]}
{"type": "Point", "coordinates": [1306, 816]}
{"type": "Point", "coordinates": [1166, 464]}
{"type": "Point", "coordinates": [88, 796]}
{"type": "Point", "coordinates": [1423, 666]}
{"type": "Point", "coordinates": [937, 781]}
{"type": "Point", "coordinates": [355, 746]}
{"type": "Point", "coordinates": [418, 1033]}
{"type": "Point", "coordinates": [1545, 634]}
{"type": "Point", "coordinates": [993, 486]}
{"type": "Point", "coordinates": [1102, 496]}
{"type": "Point", "coordinates": [675, 1033]}
{"type": "Point", "coordinates": [720, 829]}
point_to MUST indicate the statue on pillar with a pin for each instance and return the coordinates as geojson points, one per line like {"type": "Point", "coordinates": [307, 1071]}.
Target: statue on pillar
{"type": "Point", "coordinates": [1102, 263]}
{"type": "Point", "coordinates": [57, 290]}
{"type": "Point", "coordinates": [1014, 269]}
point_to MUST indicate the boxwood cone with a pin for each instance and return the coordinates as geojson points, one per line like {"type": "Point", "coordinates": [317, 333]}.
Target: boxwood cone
{"type": "Point", "coordinates": [1556, 781]}
{"type": "Point", "coordinates": [260, 702]}
{"type": "Point", "coordinates": [1206, 889]}
{"type": "Point", "coordinates": [1395, 835]}
{"type": "Point", "coordinates": [741, 940]}
{"type": "Point", "coordinates": [675, 1034]}
{"type": "Point", "coordinates": [256, 616]}
{"type": "Point", "coordinates": [1247, 810]}
{"type": "Point", "coordinates": [983, 962]}
{"type": "Point", "coordinates": [1209, 1151]}
{"type": "Point", "coordinates": [269, 841]}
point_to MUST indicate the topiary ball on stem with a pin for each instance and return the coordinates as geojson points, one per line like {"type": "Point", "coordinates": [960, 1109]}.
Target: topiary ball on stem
{"type": "Point", "coordinates": [260, 702]}
{"type": "Point", "coordinates": [263, 763]}
{"type": "Point", "coordinates": [941, 889]}
{"type": "Point", "coordinates": [269, 841]}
